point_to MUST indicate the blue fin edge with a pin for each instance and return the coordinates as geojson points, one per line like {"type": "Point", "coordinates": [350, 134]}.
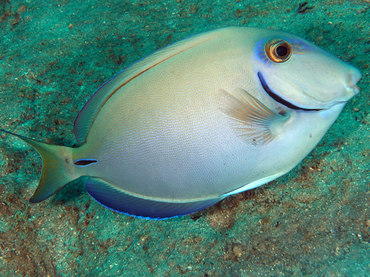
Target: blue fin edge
{"type": "Point", "coordinates": [115, 199]}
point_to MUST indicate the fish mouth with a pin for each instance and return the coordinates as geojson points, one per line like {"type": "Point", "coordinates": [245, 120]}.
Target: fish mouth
{"type": "Point", "coordinates": [277, 98]}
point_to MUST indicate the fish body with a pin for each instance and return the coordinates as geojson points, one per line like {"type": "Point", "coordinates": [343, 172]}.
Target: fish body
{"type": "Point", "coordinates": [207, 117]}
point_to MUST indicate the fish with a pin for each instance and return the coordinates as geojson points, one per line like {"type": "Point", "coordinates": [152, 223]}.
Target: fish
{"type": "Point", "coordinates": [204, 118]}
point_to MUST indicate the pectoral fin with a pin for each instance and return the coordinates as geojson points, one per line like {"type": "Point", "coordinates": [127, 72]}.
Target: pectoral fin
{"type": "Point", "coordinates": [251, 118]}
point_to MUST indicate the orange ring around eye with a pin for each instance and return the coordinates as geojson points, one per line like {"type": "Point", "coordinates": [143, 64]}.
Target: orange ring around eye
{"type": "Point", "coordinates": [278, 50]}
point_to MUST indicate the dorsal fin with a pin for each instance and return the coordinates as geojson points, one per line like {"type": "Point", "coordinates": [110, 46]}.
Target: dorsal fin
{"type": "Point", "coordinates": [91, 109]}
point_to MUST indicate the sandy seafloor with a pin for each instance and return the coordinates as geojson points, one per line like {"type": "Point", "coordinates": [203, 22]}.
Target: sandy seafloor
{"type": "Point", "coordinates": [315, 221]}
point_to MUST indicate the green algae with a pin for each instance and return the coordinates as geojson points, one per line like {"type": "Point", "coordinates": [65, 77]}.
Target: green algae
{"type": "Point", "coordinates": [314, 221]}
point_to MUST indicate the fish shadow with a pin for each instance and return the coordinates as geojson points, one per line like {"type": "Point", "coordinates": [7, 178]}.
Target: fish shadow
{"type": "Point", "coordinates": [71, 192]}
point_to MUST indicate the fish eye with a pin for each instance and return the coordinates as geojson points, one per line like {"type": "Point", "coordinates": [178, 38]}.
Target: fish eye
{"type": "Point", "coordinates": [278, 50]}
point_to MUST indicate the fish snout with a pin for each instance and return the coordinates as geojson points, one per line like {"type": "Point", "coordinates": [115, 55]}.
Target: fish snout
{"type": "Point", "coordinates": [353, 76]}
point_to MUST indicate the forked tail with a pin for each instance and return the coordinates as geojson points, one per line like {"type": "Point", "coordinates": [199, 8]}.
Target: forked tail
{"type": "Point", "coordinates": [57, 170]}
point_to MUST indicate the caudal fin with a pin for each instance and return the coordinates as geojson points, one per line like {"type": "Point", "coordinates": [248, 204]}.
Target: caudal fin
{"type": "Point", "coordinates": [57, 169]}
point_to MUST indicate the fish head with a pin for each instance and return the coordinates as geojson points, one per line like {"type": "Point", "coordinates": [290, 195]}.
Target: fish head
{"type": "Point", "coordinates": [301, 75]}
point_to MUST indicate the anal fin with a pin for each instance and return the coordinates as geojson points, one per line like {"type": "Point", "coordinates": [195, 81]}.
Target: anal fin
{"type": "Point", "coordinates": [116, 199]}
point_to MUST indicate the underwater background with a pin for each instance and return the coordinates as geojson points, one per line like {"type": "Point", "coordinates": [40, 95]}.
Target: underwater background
{"type": "Point", "coordinates": [314, 221]}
